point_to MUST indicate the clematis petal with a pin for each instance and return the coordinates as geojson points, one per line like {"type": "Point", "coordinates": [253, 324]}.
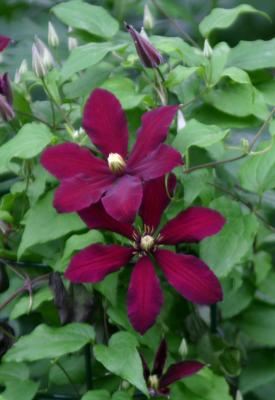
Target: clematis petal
{"type": "Point", "coordinates": [151, 210]}
{"type": "Point", "coordinates": [79, 192]}
{"type": "Point", "coordinates": [4, 42]}
{"type": "Point", "coordinates": [192, 225]}
{"type": "Point", "coordinates": [105, 122]}
{"type": "Point", "coordinates": [95, 217]}
{"type": "Point", "coordinates": [146, 370]}
{"type": "Point", "coordinates": [123, 199]}
{"type": "Point", "coordinates": [144, 296]}
{"type": "Point", "coordinates": [153, 131]}
{"type": "Point", "coordinates": [179, 371]}
{"type": "Point", "coordinates": [190, 276]}
{"type": "Point", "coordinates": [69, 159]}
{"type": "Point", "coordinates": [96, 261]}
{"type": "Point", "coordinates": [158, 163]}
{"type": "Point", "coordinates": [160, 359]}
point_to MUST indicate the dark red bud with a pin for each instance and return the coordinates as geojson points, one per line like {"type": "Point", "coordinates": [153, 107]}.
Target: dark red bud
{"type": "Point", "coordinates": [148, 54]}
{"type": "Point", "coordinates": [6, 109]}
{"type": "Point", "coordinates": [4, 42]}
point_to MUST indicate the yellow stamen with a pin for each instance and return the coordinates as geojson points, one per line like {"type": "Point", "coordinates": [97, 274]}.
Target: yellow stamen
{"type": "Point", "coordinates": [116, 163]}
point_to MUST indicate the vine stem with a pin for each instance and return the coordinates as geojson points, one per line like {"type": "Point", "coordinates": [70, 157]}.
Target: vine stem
{"type": "Point", "coordinates": [186, 36]}
{"type": "Point", "coordinates": [214, 318]}
{"type": "Point", "coordinates": [213, 164]}
{"type": "Point", "coordinates": [88, 367]}
{"type": "Point", "coordinates": [67, 376]}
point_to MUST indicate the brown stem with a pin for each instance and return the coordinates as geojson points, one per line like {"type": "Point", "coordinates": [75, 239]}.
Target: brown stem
{"type": "Point", "coordinates": [12, 297]}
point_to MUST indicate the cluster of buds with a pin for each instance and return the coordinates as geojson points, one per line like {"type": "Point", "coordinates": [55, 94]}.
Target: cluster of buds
{"type": "Point", "coordinates": [42, 59]}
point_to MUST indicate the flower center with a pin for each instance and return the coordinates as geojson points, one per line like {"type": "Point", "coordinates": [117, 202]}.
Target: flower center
{"type": "Point", "coordinates": [116, 163]}
{"type": "Point", "coordinates": [147, 242]}
{"type": "Point", "coordinates": [153, 382]}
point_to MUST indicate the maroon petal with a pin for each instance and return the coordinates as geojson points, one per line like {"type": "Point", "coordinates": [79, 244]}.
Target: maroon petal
{"type": "Point", "coordinates": [192, 225]}
{"type": "Point", "coordinates": [146, 370]}
{"type": "Point", "coordinates": [148, 54]}
{"type": "Point", "coordinates": [190, 276]}
{"type": "Point", "coordinates": [151, 210]}
{"type": "Point", "coordinates": [80, 192]}
{"type": "Point", "coordinates": [160, 359]}
{"type": "Point", "coordinates": [123, 199]}
{"type": "Point", "coordinates": [144, 296]}
{"type": "Point", "coordinates": [105, 122]}
{"type": "Point", "coordinates": [5, 88]}
{"type": "Point", "coordinates": [158, 163]}
{"type": "Point", "coordinates": [179, 371]}
{"type": "Point", "coordinates": [96, 261]}
{"type": "Point", "coordinates": [4, 42]}
{"type": "Point", "coordinates": [153, 131]}
{"type": "Point", "coordinates": [95, 217]}
{"type": "Point", "coordinates": [69, 159]}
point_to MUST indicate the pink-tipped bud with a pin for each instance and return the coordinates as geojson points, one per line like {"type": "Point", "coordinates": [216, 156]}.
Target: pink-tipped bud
{"type": "Point", "coordinates": [148, 54]}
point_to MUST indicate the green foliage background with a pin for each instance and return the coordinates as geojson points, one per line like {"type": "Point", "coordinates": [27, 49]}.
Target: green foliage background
{"type": "Point", "coordinates": [226, 101]}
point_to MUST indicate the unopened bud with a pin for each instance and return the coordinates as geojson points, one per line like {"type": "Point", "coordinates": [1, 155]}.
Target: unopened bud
{"type": "Point", "coordinates": [72, 42]}
{"type": "Point", "coordinates": [77, 133]}
{"type": "Point", "coordinates": [53, 38]}
{"type": "Point", "coordinates": [125, 385]}
{"type": "Point", "coordinates": [6, 109]}
{"type": "Point", "coordinates": [181, 123]}
{"type": "Point", "coordinates": [44, 53]}
{"type": "Point", "coordinates": [245, 145]}
{"type": "Point", "coordinates": [38, 65]}
{"type": "Point", "coordinates": [239, 396]}
{"type": "Point", "coordinates": [183, 349]}
{"type": "Point", "coordinates": [148, 19]}
{"type": "Point", "coordinates": [21, 71]}
{"type": "Point", "coordinates": [148, 54]}
{"type": "Point", "coordinates": [4, 42]}
{"type": "Point", "coordinates": [207, 49]}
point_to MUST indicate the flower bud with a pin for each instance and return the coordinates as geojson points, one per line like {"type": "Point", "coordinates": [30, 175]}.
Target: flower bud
{"type": "Point", "coordinates": [6, 109]}
{"type": "Point", "coordinates": [44, 53]}
{"type": "Point", "coordinates": [4, 42]}
{"type": "Point", "coordinates": [53, 38]}
{"type": "Point", "coordinates": [148, 54]}
{"type": "Point", "coordinates": [148, 19]}
{"type": "Point", "coordinates": [21, 71]}
{"type": "Point", "coordinates": [72, 42]}
{"type": "Point", "coordinates": [207, 49]}
{"type": "Point", "coordinates": [77, 133]}
{"type": "Point", "coordinates": [239, 396]}
{"type": "Point", "coordinates": [183, 349]}
{"type": "Point", "coordinates": [180, 121]}
{"type": "Point", "coordinates": [38, 65]}
{"type": "Point", "coordinates": [5, 88]}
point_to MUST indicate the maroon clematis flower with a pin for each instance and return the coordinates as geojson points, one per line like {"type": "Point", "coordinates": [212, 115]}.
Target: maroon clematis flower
{"type": "Point", "coordinates": [157, 381]}
{"type": "Point", "coordinates": [4, 42]}
{"type": "Point", "coordinates": [6, 108]}
{"type": "Point", "coordinates": [118, 177]}
{"type": "Point", "coordinates": [148, 54]}
{"type": "Point", "coordinates": [189, 275]}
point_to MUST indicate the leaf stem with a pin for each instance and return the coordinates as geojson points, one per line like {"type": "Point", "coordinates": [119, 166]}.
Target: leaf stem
{"type": "Point", "coordinates": [67, 376]}
{"type": "Point", "coordinates": [88, 367]}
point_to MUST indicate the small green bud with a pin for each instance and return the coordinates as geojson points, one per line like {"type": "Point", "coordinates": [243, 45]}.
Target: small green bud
{"type": "Point", "coordinates": [207, 49]}
{"type": "Point", "coordinates": [72, 42]}
{"type": "Point", "coordinates": [148, 19]}
{"type": "Point", "coordinates": [183, 349]}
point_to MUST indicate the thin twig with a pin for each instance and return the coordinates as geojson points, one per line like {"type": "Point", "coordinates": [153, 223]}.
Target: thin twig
{"type": "Point", "coordinates": [12, 297]}
{"type": "Point", "coordinates": [67, 376]}
{"type": "Point", "coordinates": [176, 25]}
{"type": "Point", "coordinates": [214, 164]}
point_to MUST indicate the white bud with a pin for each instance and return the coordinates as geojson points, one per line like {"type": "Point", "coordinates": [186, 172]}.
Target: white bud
{"type": "Point", "coordinates": [148, 19]}
{"type": "Point", "coordinates": [144, 34]}
{"type": "Point", "coordinates": [183, 349]}
{"type": "Point", "coordinates": [53, 38]}
{"type": "Point", "coordinates": [20, 71]}
{"type": "Point", "coordinates": [180, 121]}
{"type": "Point", "coordinates": [72, 42]}
{"type": "Point", "coordinates": [45, 53]}
{"type": "Point", "coordinates": [239, 396]}
{"type": "Point", "coordinates": [78, 133]}
{"type": "Point", "coordinates": [38, 65]}
{"type": "Point", "coordinates": [207, 49]}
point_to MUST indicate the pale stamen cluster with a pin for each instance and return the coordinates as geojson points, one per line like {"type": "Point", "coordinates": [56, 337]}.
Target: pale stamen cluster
{"type": "Point", "coordinates": [145, 242]}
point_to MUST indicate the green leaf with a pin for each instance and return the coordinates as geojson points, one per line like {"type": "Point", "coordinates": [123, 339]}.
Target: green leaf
{"type": "Point", "coordinates": [43, 224]}
{"type": "Point", "coordinates": [121, 357]}
{"type": "Point", "coordinates": [262, 265]}
{"type": "Point", "coordinates": [75, 243]}
{"type": "Point", "coordinates": [222, 251]}
{"type": "Point", "coordinates": [96, 395]}
{"type": "Point", "coordinates": [268, 91]}
{"type": "Point", "coordinates": [258, 323]}
{"type": "Point", "coordinates": [124, 89]}
{"type": "Point", "coordinates": [90, 18]}
{"type": "Point", "coordinates": [22, 306]}
{"type": "Point", "coordinates": [235, 299]}
{"type": "Point", "coordinates": [30, 140]}
{"type": "Point", "coordinates": [197, 134]}
{"type": "Point", "coordinates": [222, 18]}
{"type": "Point", "coordinates": [50, 342]}
{"type": "Point", "coordinates": [257, 54]}
{"type": "Point", "coordinates": [86, 56]}
{"type": "Point", "coordinates": [121, 396]}
{"type": "Point", "coordinates": [23, 390]}
{"type": "Point", "coordinates": [13, 371]}
{"type": "Point", "coordinates": [179, 74]}
{"type": "Point", "coordinates": [257, 173]}
{"type": "Point", "coordinates": [237, 75]}
{"type": "Point", "coordinates": [259, 370]}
